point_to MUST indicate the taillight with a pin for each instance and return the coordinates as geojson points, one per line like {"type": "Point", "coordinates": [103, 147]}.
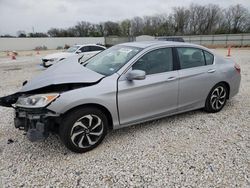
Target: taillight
{"type": "Point", "coordinates": [237, 67]}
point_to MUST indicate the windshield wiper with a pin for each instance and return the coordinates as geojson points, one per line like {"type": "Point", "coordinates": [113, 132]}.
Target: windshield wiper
{"type": "Point", "coordinates": [87, 59]}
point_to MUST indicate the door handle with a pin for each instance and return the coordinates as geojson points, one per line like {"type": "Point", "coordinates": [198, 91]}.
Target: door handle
{"type": "Point", "coordinates": [171, 78]}
{"type": "Point", "coordinates": [211, 70]}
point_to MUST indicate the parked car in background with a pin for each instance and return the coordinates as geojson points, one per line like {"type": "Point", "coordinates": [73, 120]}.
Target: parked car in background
{"type": "Point", "coordinates": [174, 39]}
{"type": "Point", "coordinates": [124, 85]}
{"type": "Point", "coordinates": [87, 51]}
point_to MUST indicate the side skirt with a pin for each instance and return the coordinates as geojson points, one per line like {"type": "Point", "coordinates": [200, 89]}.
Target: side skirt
{"type": "Point", "coordinates": [154, 118]}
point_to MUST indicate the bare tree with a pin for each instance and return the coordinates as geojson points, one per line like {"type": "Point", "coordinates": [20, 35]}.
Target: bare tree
{"type": "Point", "coordinates": [236, 18]}
{"type": "Point", "coordinates": [125, 26]}
{"type": "Point", "coordinates": [112, 28]}
{"type": "Point", "coordinates": [180, 19]}
{"type": "Point", "coordinates": [166, 26]}
{"type": "Point", "coordinates": [195, 19]}
{"type": "Point", "coordinates": [82, 29]}
{"type": "Point", "coordinates": [137, 26]}
{"type": "Point", "coordinates": [96, 30]}
{"type": "Point", "coordinates": [213, 18]}
{"type": "Point", "coordinates": [53, 32]}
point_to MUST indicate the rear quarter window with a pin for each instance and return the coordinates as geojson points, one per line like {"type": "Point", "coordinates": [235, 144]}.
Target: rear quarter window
{"type": "Point", "coordinates": [209, 58]}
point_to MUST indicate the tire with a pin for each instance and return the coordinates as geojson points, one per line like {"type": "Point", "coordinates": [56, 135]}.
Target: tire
{"type": "Point", "coordinates": [78, 134]}
{"type": "Point", "coordinates": [216, 98]}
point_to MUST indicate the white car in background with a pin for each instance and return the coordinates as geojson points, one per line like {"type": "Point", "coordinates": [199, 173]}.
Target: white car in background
{"type": "Point", "coordinates": [87, 51]}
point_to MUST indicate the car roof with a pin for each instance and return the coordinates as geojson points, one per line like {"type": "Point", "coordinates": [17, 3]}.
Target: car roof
{"type": "Point", "coordinates": [157, 43]}
{"type": "Point", "coordinates": [82, 45]}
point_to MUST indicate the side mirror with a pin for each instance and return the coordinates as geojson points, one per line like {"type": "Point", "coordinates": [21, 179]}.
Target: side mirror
{"type": "Point", "coordinates": [78, 51]}
{"type": "Point", "coordinates": [136, 75]}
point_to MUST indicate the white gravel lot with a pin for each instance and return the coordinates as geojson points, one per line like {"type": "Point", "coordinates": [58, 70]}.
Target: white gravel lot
{"type": "Point", "coordinates": [193, 149]}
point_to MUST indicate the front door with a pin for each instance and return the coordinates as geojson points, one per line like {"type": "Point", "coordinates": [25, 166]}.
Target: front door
{"type": "Point", "coordinates": [156, 95]}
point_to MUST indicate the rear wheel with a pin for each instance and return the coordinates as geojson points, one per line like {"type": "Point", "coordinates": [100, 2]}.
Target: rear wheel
{"type": "Point", "coordinates": [217, 98]}
{"type": "Point", "coordinates": [83, 129]}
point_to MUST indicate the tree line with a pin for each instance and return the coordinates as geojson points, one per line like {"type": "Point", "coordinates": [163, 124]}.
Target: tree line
{"type": "Point", "coordinates": [193, 20]}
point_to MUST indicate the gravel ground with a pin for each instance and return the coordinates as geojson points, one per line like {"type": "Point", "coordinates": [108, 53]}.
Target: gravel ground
{"type": "Point", "coordinates": [193, 149]}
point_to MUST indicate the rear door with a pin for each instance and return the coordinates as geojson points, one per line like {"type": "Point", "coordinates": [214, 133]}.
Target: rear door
{"type": "Point", "coordinates": [196, 77]}
{"type": "Point", "coordinates": [156, 95]}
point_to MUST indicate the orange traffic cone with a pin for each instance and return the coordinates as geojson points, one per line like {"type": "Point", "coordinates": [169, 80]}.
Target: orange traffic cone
{"type": "Point", "coordinates": [229, 51]}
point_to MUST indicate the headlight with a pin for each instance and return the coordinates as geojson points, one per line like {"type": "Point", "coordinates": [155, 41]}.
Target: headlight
{"type": "Point", "coordinates": [36, 101]}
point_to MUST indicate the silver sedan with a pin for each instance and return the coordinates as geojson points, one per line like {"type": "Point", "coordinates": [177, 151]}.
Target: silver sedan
{"type": "Point", "coordinates": [124, 85]}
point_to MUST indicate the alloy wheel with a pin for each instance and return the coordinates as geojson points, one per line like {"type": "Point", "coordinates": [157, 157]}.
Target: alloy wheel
{"type": "Point", "coordinates": [218, 98]}
{"type": "Point", "coordinates": [86, 131]}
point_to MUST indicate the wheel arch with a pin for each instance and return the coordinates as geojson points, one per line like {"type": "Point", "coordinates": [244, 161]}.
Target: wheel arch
{"type": "Point", "coordinates": [97, 106]}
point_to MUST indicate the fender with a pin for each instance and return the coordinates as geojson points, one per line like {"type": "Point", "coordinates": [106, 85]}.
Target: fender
{"type": "Point", "coordinates": [8, 101]}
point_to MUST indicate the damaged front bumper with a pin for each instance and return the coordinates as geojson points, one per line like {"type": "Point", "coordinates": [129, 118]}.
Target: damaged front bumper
{"type": "Point", "coordinates": [38, 123]}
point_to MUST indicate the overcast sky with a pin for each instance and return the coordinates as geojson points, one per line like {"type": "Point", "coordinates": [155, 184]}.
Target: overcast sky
{"type": "Point", "coordinates": [44, 14]}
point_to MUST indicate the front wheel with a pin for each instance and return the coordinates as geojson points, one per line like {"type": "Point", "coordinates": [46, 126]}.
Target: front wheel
{"type": "Point", "coordinates": [217, 98]}
{"type": "Point", "coordinates": [83, 129]}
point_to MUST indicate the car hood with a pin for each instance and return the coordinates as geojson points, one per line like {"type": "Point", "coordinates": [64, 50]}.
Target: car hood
{"type": "Point", "coordinates": [69, 71]}
{"type": "Point", "coordinates": [59, 55]}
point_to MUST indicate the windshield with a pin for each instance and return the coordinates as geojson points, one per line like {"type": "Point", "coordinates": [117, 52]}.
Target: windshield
{"type": "Point", "coordinates": [72, 49]}
{"type": "Point", "coordinates": [111, 60]}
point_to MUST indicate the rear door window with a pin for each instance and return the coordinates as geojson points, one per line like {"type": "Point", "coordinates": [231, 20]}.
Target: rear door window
{"type": "Point", "coordinates": [190, 57]}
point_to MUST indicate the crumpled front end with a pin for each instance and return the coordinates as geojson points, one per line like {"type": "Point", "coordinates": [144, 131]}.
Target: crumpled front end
{"type": "Point", "coordinates": [31, 114]}
{"type": "Point", "coordinates": [37, 123]}
{"type": "Point", "coordinates": [31, 102]}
